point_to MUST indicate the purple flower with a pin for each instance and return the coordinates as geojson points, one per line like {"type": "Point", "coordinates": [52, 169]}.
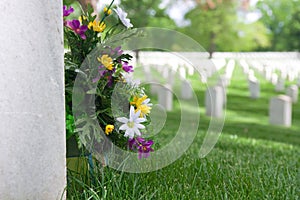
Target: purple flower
{"type": "Point", "coordinates": [127, 68]}
{"type": "Point", "coordinates": [117, 51]}
{"type": "Point", "coordinates": [75, 26]}
{"type": "Point", "coordinates": [67, 12]}
{"type": "Point", "coordinates": [104, 73]}
{"type": "Point", "coordinates": [132, 143]}
{"type": "Point", "coordinates": [143, 146]}
{"type": "Point", "coordinates": [101, 73]}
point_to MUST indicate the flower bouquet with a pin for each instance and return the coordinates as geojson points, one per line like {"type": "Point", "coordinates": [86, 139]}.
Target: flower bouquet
{"type": "Point", "coordinates": [104, 106]}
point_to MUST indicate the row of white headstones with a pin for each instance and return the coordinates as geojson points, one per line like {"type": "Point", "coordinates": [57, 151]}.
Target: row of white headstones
{"type": "Point", "coordinates": [268, 66]}
{"type": "Point", "coordinates": [280, 107]}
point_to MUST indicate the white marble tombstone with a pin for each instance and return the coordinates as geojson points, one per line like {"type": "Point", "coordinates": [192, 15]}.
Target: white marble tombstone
{"type": "Point", "coordinates": [190, 70]}
{"type": "Point", "coordinates": [229, 68]}
{"type": "Point", "coordinates": [32, 111]}
{"type": "Point", "coordinates": [186, 90]}
{"type": "Point", "coordinates": [223, 80]}
{"type": "Point", "coordinates": [165, 72]}
{"type": "Point", "coordinates": [268, 73]}
{"type": "Point", "coordinates": [147, 71]}
{"type": "Point", "coordinates": [171, 77]}
{"type": "Point", "coordinates": [254, 88]}
{"type": "Point", "coordinates": [291, 75]}
{"type": "Point", "coordinates": [214, 101]}
{"type": "Point", "coordinates": [274, 79]}
{"type": "Point", "coordinates": [279, 87]}
{"type": "Point", "coordinates": [298, 81]}
{"type": "Point", "coordinates": [245, 66]}
{"type": "Point", "coordinates": [224, 93]}
{"type": "Point", "coordinates": [203, 77]}
{"type": "Point", "coordinates": [292, 91]}
{"type": "Point", "coordinates": [182, 73]}
{"type": "Point", "coordinates": [165, 97]}
{"type": "Point", "coordinates": [280, 110]}
{"type": "Point", "coordinates": [283, 74]}
{"type": "Point", "coordinates": [251, 73]}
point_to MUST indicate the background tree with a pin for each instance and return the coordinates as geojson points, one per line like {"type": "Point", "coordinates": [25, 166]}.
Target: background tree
{"type": "Point", "coordinates": [211, 23]}
{"type": "Point", "coordinates": [282, 19]}
{"type": "Point", "coordinates": [216, 26]}
{"type": "Point", "coordinates": [145, 13]}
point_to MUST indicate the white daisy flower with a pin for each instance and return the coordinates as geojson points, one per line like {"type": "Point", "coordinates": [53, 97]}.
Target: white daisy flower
{"type": "Point", "coordinates": [132, 125]}
{"type": "Point", "coordinates": [129, 80]}
{"type": "Point", "coordinates": [146, 102]}
{"type": "Point", "coordinates": [123, 17]}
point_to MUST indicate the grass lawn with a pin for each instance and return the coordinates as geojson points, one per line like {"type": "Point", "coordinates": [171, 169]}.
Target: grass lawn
{"type": "Point", "coordinates": [251, 160]}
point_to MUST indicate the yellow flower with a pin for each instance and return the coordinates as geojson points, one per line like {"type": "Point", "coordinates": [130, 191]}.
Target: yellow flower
{"type": "Point", "coordinates": [82, 17]}
{"type": "Point", "coordinates": [108, 129]}
{"type": "Point", "coordinates": [97, 26]}
{"type": "Point", "coordinates": [141, 104]}
{"type": "Point", "coordinates": [145, 110]}
{"type": "Point", "coordinates": [138, 101]}
{"type": "Point", "coordinates": [107, 11]}
{"type": "Point", "coordinates": [106, 61]}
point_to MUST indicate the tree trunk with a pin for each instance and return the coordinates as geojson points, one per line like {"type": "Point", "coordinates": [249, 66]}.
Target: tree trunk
{"type": "Point", "coordinates": [212, 44]}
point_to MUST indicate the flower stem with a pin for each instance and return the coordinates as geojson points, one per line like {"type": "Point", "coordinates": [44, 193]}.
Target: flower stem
{"type": "Point", "coordinates": [105, 15]}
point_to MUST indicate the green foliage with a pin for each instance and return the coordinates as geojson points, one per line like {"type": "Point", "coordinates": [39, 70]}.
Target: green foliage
{"type": "Point", "coordinates": [219, 29]}
{"type": "Point", "coordinates": [213, 28]}
{"type": "Point", "coordinates": [147, 13]}
{"type": "Point", "coordinates": [281, 17]}
{"type": "Point", "coordinates": [251, 37]}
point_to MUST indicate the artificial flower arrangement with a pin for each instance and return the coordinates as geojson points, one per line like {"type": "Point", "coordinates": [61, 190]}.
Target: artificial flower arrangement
{"type": "Point", "coordinates": [125, 126]}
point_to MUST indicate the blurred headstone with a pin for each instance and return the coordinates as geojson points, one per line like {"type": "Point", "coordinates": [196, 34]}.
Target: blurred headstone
{"type": "Point", "coordinates": [214, 101]}
{"type": "Point", "coordinates": [280, 110]}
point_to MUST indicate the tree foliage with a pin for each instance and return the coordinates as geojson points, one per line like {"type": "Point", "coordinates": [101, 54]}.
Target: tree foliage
{"type": "Point", "coordinates": [282, 18]}
{"type": "Point", "coordinates": [145, 13]}
{"type": "Point", "coordinates": [216, 26]}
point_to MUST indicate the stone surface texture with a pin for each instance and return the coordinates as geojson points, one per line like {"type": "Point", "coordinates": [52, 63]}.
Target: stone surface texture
{"type": "Point", "coordinates": [32, 113]}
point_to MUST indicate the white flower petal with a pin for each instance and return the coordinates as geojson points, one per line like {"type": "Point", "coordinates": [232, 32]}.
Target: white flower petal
{"type": "Point", "coordinates": [122, 120]}
{"type": "Point", "coordinates": [140, 126]}
{"type": "Point", "coordinates": [123, 17]}
{"type": "Point", "coordinates": [137, 131]}
{"type": "Point", "coordinates": [131, 113]}
{"type": "Point", "coordinates": [139, 120]}
{"type": "Point", "coordinates": [146, 101]}
{"type": "Point", "coordinates": [123, 127]}
{"type": "Point", "coordinates": [129, 133]}
{"type": "Point", "coordinates": [136, 115]}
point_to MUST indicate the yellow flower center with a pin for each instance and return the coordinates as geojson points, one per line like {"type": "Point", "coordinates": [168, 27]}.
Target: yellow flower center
{"type": "Point", "coordinates": [130, 124]}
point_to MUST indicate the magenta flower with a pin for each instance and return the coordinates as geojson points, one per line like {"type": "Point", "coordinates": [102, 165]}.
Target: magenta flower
{"type": "Point", "coordinates": [117, 51]}
{"type": "Point", "coordinates": [67, 12]}
{"type": "Point", "coordinates": [143, 146]}
{"type": "Point", "coordinates": [132, 143]}
{"type": "Point", "coordinates": [106, 74]}
{"type": "Point", "coordinates": [127, 68]}
{"type": "Point", "coordinates": [75, 26]}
